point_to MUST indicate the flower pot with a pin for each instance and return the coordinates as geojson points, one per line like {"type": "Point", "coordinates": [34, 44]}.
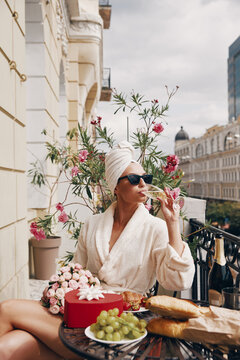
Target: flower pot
{"type": "Point", "coordinates": [45, 253]}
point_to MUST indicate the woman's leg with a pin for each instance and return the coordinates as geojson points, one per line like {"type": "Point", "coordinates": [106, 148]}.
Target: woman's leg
{"type": "Point", "coordinates": [32, 317]}
{"type": "Point", "coordinates": [19, 344]}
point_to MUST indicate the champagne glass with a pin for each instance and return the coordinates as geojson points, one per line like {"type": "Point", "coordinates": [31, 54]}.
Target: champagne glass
{"type": "Point", "coordinates": [154, 192]}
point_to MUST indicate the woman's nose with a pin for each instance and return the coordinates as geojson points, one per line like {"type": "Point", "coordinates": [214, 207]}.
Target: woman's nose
{"type": "Point", "coordinates": [142, 182]}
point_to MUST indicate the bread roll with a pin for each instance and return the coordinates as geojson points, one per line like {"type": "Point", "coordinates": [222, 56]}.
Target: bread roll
{"type": "Point", "coordinates": [167, 327]}
{"type": "Point", "coordinates": [171, 307]}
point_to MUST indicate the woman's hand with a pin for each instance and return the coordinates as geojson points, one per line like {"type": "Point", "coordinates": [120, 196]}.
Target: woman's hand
{"type": "Point", "coordinates": [169, 205]}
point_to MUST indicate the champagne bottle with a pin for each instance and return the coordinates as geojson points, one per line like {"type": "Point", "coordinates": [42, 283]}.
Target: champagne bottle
{"type": "Point", "coordinates": [220, 275]}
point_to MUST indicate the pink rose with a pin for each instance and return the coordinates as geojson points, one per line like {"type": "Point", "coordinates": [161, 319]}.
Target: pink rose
{"type": "Point", "coordinates": [158, 128]}
{"type": "Point", "coordinates": [60, 293]}
{"type": "Point", "coordinates": [82, 272]}
{"type": "Point", "coordinates": [65, 269]}
{"type": "Point", "coordinates": [78, 266]}
{"type": "Point", "coordinates": [75, 276]}
{"type": "Point", "coordinates": [83, 155]}
{"type": "Point", "coordinates": [53, 301]}
{"type": "Point", "coordinates": [67, 275]}
{"type": "Point", "coordinates": [73, 284]}
{"type": "Point", "coordinates": [61, 279]}
{"type": "Point", "coordinates": [61, 310]}
{"type": "Point", "coordinates": [64, 284]}
{"type": "Point", "coordinates": [67, 290]}
{"type": "Point", "coordinates": [54, 277]}
{"type": "Point", "coordinates": [83, 279]}
{"type": "Point", "coordinates": [59, 207]}
{"type": "Point", "coordinates": [148, 206]}
{"type": "Point", "coordinates": [50, 293]}
{"type": "Point", "coordinates": [75, 170]}
{"type": "Point", "coordinates": [88, 273]}
{"type": "Point", "coordinates": [83, 285]}
{"type": "Point", "coordinates": [63, 217]}
{"type": "Point", "coordinates": [55, 286]}
{"type": "Point", "coordinates": [54, 309]}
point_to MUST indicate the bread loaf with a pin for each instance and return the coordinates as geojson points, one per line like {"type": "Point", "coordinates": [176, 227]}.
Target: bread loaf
{"type": "Point", "coordinates": [171, 307]}
{"type": "Point", "coordinates": [167, 327]}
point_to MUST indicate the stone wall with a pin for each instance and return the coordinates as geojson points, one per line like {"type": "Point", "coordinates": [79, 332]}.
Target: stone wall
{"type": "Point", "coordinates": [13, 222]}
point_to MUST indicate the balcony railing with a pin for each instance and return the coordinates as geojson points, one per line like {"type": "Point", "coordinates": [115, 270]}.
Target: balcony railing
{"type": "Point", "coordinates": [106, 85]}
{"type": "Point", "coordinates": [104, 3]}
{"type": "Point", "coordinates": [204, 256]}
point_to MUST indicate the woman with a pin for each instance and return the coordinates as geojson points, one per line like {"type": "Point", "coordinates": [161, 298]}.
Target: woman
{"type": "Point", "coordinates": [125, 247]}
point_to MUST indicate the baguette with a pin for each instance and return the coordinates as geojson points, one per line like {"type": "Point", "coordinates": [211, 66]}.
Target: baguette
{"type": "Point", "coordinates": [171, 307]}
{"type": "Point", "coordinates": [167, 327]}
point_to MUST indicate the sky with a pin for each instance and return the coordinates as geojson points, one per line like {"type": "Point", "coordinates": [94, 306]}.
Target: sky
{"type": "Point", "coordinates": [182, 43]}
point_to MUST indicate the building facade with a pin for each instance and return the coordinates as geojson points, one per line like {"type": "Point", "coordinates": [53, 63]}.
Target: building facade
{"type": "Point", "coordinates": [211, 163]}
{"type": "Point", "coordinates": [234, 81]}
{"type": "Point", "coordinates": [51, 68]}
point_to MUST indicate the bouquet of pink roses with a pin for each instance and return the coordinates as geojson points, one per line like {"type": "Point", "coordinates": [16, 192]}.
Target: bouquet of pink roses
{"type": "Point", "coordinates": [68, 278]}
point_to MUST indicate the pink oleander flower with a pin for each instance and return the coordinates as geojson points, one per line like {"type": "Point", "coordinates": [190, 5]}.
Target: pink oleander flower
{"type": "Point", "coordinates": [172, 164]}
{"type": "Point", "coordinates": [59, 207]}
{"type": "Point", "coordinates": [75, 170]}
{"type": "Point", "coordinates": [33, 225]}
{"type": "Point", "coordinates": [37, 232]}
{"type": "Point", "coordinates": [54, 309]}
{"type": "Point", "coordinates": [63, 217]}
{"type": "Point", "coordinates": [174, 194]}
{"type": "Point", "coordinates": [83, 155]}
{"type": "Point", "coordinates": [148, 206]}
{"type": "Point", "coordinates": [158, 128]}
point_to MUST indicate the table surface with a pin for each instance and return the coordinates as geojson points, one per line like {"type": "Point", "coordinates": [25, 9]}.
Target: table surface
{"type": "Point", "coordinates": [151, 347]}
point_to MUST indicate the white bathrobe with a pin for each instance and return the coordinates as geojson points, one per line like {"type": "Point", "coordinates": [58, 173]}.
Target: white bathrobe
{"type": "Point", "coordinates": [141, 254]}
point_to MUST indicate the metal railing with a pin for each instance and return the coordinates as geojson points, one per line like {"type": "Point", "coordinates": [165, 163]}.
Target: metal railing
{"type": "Point", "coordinates": [104, 3]}
{"type": "Point", "coordinates": [204, 239]}
{"type": "Point", "coordinates": [106, 80]}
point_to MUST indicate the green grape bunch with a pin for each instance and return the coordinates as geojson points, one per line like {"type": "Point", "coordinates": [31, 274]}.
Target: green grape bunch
{"type": "Point", "coordinates": [112, 327]}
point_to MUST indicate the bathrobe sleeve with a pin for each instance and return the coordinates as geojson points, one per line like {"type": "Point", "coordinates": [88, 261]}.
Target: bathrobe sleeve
{"type": "Point", "coordinates": [80, 255]}
{"type": "Point", "coordinates": [173, 272]}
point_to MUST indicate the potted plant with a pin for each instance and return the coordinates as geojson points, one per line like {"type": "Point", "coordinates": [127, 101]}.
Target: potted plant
{"type": "Point", "coordinates": [84, 169]}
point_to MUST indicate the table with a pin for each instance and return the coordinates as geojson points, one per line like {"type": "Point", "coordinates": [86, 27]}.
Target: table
{"type": "Point", "coordinates": [149, 348]}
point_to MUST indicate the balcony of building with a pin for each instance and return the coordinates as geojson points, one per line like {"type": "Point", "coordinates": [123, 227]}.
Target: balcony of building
{"type": "Point", "coordinates": [106, 92]}
{"type": "Point", "coordinates": [105, 10]}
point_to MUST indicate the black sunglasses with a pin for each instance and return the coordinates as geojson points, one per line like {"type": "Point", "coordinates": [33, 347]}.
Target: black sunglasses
{"type": "Point", "coordinates": [134, 179]}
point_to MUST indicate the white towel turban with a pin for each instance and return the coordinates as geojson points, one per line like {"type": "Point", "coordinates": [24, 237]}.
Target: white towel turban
{"type": "Point", "coordinates": [117, 160]}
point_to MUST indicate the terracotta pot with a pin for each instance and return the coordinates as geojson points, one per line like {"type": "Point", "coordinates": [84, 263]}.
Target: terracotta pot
{"type": "Point", "coordinates": [45, 253]}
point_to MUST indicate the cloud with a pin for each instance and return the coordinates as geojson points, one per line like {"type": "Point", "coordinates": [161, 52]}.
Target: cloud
{"type": "Point", "coordinates": [185, 43]}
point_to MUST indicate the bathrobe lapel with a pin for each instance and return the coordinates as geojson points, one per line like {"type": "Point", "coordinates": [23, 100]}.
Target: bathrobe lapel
{"type": "Point", "coordinates": [111, 260]}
